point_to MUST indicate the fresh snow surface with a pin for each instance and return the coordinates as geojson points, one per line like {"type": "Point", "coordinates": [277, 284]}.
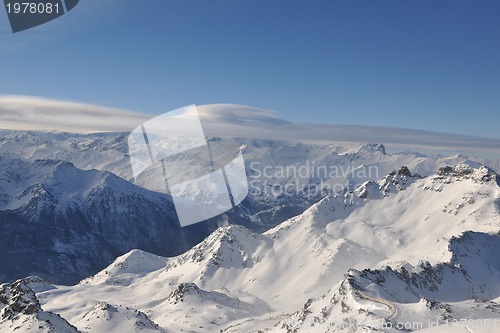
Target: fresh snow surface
{"type": "Point", "coordinates": [395, 249]}
{"type": "Point", "coordinates": [406, 250]}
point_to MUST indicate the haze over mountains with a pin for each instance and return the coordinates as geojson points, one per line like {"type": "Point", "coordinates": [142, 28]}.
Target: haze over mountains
{"type": "Point", "coordinates": [332, 237]}
{"type": "Point", "coordinates": [230, 120]}
{"type": "Point", "coordinates": [391, 252]}
{"type": "Point", "coordinates": [73, 197]}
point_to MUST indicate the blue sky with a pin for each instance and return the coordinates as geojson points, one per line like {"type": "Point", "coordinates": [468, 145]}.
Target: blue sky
{"type": "Point", "coordinates": [432, 65]}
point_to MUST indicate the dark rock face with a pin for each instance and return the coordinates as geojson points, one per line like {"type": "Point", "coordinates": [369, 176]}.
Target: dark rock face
{"type": "Point", "coordinates": [64, 224]}
{"type": "Point", "coordinates": [183, 288]}
{"type": "Point", "coordinates": [443, 171]}
{"type": "Point", "coordinates": [64, 240]}
{"type": "Point", "coordinates": [20, 310]}
{"type": "Point", "coordinates": [404, 171]}
{"type": "Point", "coordinates": [18, 298]}
{"type": "Point", "coordinates": [65, 248]}
{"type": "Point", "coordinates": [474, 263]}
{"type": "Point", "coordinates": [463, 171]}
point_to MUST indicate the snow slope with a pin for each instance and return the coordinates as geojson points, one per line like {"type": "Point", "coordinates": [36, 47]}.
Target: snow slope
{"type": "Point", "coordinates": [285, 178]}
{"type": "Point", "coordinates": [20, 311]}
{"type": "Point", "coordinates": [64, 223]}
{"type": "Point", "coordinates": [72, 198]}
{"type": "Point", "coordinates": [386, 253]}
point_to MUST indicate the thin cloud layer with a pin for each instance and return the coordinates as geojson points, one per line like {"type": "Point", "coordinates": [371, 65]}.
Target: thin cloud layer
{"type": "Point", "coordinates": [240, 115]}
{"type": "Point", "coordinates": [241, 121]}
{"type": "Point", "coordinates": [229, 120]}
{"type": "Point", "coordinates": [40, 114]}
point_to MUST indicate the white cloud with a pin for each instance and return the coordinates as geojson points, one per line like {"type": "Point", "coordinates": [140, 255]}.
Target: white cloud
{"type": "Point", "coordinates": [236, 120]}
{"type": "Point", "coordinates": [238, 115]}
{"type": "Point", "coordinates": [32, 113]}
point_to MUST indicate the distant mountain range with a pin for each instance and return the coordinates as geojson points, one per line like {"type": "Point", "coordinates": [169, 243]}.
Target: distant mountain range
{"type": "Point", "coordinates": [69, 207]}
{"type": "Point", "coordinates": [389, 240]}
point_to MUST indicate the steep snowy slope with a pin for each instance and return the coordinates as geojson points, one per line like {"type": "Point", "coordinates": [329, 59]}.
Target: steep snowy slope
{"type": "Point", "coordinates": [387, 252]}
{"type": "Point", "coordinates": [64, 223]}
{"type": "Point", "coordinates": [285, 178]}
{"type": "Point", "coordinates": [104, 317]}
{"type": "Point", "coordinates": [109, 152]}
{"type": "Point", "coordinates": [371, 249]}
{"type": "Point", "coordinates": [59, 197]}
{"type": "Point", "coordinates": [101, 151]}
{"type": "Point", "coordinates": [20, 311]}
{"type": "Point", "coordinates": [413, 297]}
{"type": "Point", "coordinates": [154, 285]}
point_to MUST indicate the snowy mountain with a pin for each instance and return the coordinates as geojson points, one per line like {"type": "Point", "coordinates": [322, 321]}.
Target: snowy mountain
{"type": "Point", "coordinates": [285, 178]}
{"type": "Point", "coordinates": [73, 197]}
{"type": "Point", "coordinates": [412, 295]}
{"type": "Point", "coordinates": [20, 311]}
{"type": "Point", "coordinates": [384, 255]}
{"type": "Point", "coordinates": [331, 238]}
{"type": "Point", "coordinates": [64, 223]}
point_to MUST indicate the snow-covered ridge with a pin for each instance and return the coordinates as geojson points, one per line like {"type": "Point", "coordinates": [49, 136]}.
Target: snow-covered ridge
{"type": "Point", "coordinates": [464, 171]}
{"type": "Point", "coordinates": [105, 317]}
{"type": "Point", "coordinates": [79, 220]}
{"type": "Point", "coordinates": [85, 179]}
{"type": "Point", "coordinates": [384, 298]}
{"type": "Point", "coordinates": [303, 274]}
{"type": "Point", "coordinates": [228, 246]}
{"type": "Point", "coordinates": [20, 311]}
{"type": "Point", "coordinates": [393, 255]}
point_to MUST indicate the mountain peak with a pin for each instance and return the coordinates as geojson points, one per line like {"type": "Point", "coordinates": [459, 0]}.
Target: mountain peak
{"type": "Point", "coordinates": [18, 298]}
{"type": "Point", "coordinates": [397, 180]}
{"type": "Point", "coordinates": [21, 311]}
{"type": "Point", "coordinates": [463, 171]}
{"type": "Point", "coordinates": [183, 290]}
{"type": "Point", "coordinates": [230, 247]}
{"type": "Point", "coordinates": [367, 148]}
{"type": "Point", "coordinates": [105, 317]}
{"type": "Point", "coordinates": [127, 267]}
